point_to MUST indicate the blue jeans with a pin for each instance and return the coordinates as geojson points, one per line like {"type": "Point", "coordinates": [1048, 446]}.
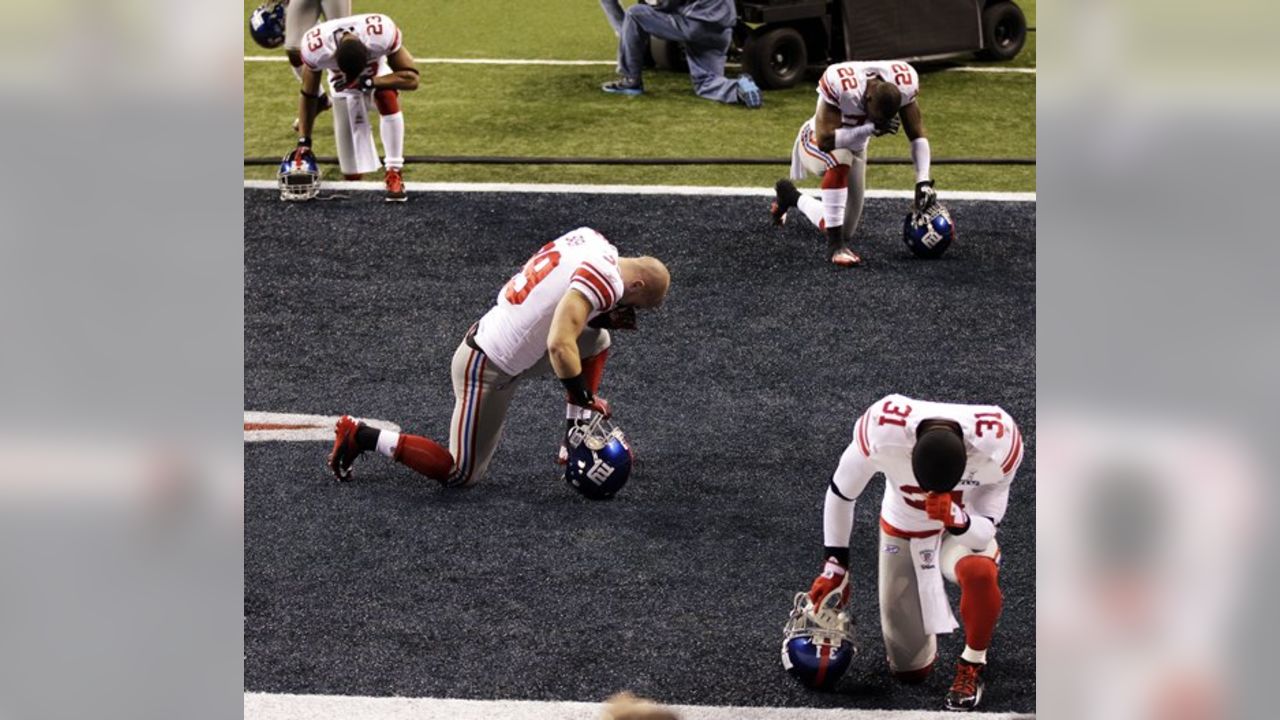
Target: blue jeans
{"type": "Point", "coordinates": [705, 45]}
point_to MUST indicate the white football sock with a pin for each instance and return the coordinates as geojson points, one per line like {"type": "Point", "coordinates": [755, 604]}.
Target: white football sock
{"type": "Point", "coordinates": [833, 202]}
{"type": "Point", "coordinates": [392, 131]}
{"type": "Point", "coordinates": [974, 656]}
{"type": "Point", "coordinates": [812, 209]}
{"type": "Point", "coordinates": [387, 441]}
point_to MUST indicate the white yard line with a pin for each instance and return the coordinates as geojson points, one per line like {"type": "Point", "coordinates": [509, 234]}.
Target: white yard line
{"type": "Point", "coordinates": [638, 190]}
{"type": "Point", "coordinates": [271, 706]}
{"type": "Point", "coordinates": [997, 70]}
{"type": "Point", "coordinates": [463, 61]}
{"type": "Point", "coordinates": [603, 63]}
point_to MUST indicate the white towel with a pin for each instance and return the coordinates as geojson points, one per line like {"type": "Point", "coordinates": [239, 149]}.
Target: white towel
{"type": "Point", "coordinates": [362, 134]}
{"type": "Point", "coordinates": [926, 555]}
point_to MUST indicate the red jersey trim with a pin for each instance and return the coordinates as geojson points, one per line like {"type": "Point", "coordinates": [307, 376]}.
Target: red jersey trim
{"type": "Point", "coordinates": [1015, 452]}
{"type": "Point", "coordinates": [827, 94]}
{"type": "Point", "coordinates": [607, 287]}
{"type": "Point", "coordinates": [863, 444]}
{"type": "Point", "coordinates": [582, 276]}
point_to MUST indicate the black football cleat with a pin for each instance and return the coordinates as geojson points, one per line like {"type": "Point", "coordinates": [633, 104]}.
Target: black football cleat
{"type": "Point", "coordinates": [787, 197]}
{"type": "Point", "coordinates": [966, 690]}
{"type": "Point", "coordinates": [345, 450]}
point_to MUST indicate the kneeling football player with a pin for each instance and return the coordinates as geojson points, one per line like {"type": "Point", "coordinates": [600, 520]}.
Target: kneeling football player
{"type": "Point", "coordinates": [553, 315]}
{"type": "Point", "coordinates": [368, 65]}
{"type": "Point", "coordinates": [856, 101]}
{"type": "Point", "coordinates": [948, 469]}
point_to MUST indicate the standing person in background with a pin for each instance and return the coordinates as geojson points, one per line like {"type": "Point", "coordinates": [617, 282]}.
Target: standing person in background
{"type": "Point", "coordinates": [302, 15]}
{"type": "Point", "coordinates": [299, 17]}
{"type": "Point", "coordinates": [704, 27]}
{"type": "Point", "coordinates": [614, 13]}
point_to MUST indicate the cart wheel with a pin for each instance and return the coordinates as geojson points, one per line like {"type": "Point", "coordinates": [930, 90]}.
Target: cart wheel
{"type": "Point", "coordinates": [667, 55]}
{"type": "Point", "coordinates": [776, 57]}
{"type": "Point", "coordinates": [1004, 31]}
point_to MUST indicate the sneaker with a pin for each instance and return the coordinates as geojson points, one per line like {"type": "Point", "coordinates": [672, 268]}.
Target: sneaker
{"type": "Point", "coordinates": [966, 690]}
{"type": "Point", "coordinates": [395, 186]}
{"type": "Point", "coordinates": [624, 86]}
{"type": "Point", "coordinates": [325, 104]}
{"type": "Point", "coordinates": [749, 92]}
{"type": "Point", "coordinates": [345, 450]}
{"type": "Point", "coordinates": [787, 197]}
{"type": "Point", "coordinates": [844, 257]}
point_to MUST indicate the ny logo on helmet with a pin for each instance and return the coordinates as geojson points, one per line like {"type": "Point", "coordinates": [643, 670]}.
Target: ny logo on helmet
{"type": "Point", "coordinates": [599, 472]}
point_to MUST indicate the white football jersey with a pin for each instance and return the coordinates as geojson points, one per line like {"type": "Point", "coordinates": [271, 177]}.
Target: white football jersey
{"type": "Point", "coordinates": [844, 85]}
{"type": "Point", "coordinates": [514, 332]}
{"type": "Point", "coordinates": [886, 433]}
{"type": "Point", "coordinates": [378, 33]}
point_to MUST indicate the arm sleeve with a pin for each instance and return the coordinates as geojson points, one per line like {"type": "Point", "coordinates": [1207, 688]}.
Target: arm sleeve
{"type": "Point", "coordinates": [986, 509]}
{"type": "Point", "coordinates": [921, 156]}
{"type": "Point", "coordinates": [852, 137]}
{"type": "Point", "coordinates": [851, 477]}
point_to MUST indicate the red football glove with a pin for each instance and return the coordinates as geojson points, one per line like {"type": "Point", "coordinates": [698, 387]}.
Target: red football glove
{"type": "Point", "coordinates": [940, 507]}
{"type": "Point", "coordinates": [832, 577]}
{"type": "Point", "coordinates": [600, 405]}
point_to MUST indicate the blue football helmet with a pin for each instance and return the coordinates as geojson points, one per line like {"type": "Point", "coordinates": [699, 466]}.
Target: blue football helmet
{"type": "Point", "coordinates": [599, 459]}
{"type": "Point", "coordinates": [266, 25]}
{"type": "Point", "coordinates": [928, 234]}
{"type": "Point", "coordinates": [299, 176]}
{"type": "Point", "coordinates": [818, 642]}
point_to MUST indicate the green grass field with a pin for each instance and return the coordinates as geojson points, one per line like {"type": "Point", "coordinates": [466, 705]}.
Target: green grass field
{"type": "Point", "coordinates": [559, 110]}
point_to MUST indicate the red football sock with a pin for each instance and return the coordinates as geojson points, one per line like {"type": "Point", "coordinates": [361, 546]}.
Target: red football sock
{"type": "Point", "coordinates": [980, 599]}
{"type": "Point", "coordinates": [593, 369]}
{"type": "Point", "coordinates": [424, 456]}
{"type": "Point", "coordinates": [835, 194]}
{"type": "Point", "coordinates": [387, 101]}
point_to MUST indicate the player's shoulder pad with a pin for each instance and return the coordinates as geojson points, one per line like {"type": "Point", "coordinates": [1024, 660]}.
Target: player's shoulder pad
{"type": "Point", "coordinates": [1001, 442]}
{"type": "Point", "coordinates": [828, 86]}
{"type": "Point", "coordinates": [908, 81]}
{"type": "Point", "coordinates": [883, 424]}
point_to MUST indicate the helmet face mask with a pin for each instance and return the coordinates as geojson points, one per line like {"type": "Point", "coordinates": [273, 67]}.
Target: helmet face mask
{"type": "Point", "coordinates": [818, 643]}
{"type": "Point", "coordinates": [299, 177]}
{"type": "Point", "coordinates": [928, 234]}
{"type": "Point", "coordinates": [600, 459]}
{"type": "Point", "coordinates": [266, 25]}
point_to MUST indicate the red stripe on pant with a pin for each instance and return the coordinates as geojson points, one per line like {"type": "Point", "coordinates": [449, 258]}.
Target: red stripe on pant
{"type": "Point", "coordinates": [475, 420]}
{"type": "Point", "coordinates": [466, 392]}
